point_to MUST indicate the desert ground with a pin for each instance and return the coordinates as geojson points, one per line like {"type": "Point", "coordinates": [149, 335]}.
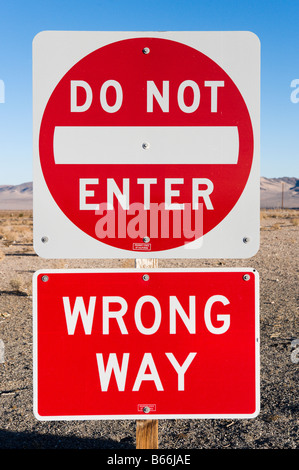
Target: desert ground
{"type": "Point", "coordinates": [276, 427]}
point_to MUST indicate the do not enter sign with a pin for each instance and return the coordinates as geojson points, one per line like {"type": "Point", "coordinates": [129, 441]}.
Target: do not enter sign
{"type": "Point", "coordinates": [146, 145]}
{"type": "Point", "coordinates": [134, 344]}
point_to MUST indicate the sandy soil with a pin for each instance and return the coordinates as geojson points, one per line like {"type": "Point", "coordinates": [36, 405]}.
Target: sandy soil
{"type": "Point", "coordinates": [276, 427]}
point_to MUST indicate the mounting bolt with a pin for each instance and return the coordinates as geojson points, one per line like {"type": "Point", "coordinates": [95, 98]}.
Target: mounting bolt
{"type": "Point", "coordinates": [146, 409]}
{"type": "Point", "coordinates": [146, 50]}
{"type": "Point", "coordinates": [146, 239]}
{"type": "Point", "coordinates": [44, 239]}
{"type": "Point", "coordinates": [246, 277]}
{"type": "Point", "coordinates": [246, 239]}
{"type": "Point", "coordinates": [145, 145]}
{"type": "Point", "coordinates": [145, 277]}
{"type": "Point", "coordinates": [45, 278]}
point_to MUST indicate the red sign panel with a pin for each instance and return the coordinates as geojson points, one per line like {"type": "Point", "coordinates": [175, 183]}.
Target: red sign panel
{"type": "Point", "coordinates": [134, 344]}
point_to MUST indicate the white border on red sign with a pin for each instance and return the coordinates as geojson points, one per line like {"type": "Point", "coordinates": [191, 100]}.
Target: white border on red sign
{"type": "Point", "coordinates": [150, 415]}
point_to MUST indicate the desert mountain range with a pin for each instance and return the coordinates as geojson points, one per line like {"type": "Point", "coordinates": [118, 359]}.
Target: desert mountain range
{"type": "Point", "coordinates": [275, 193]}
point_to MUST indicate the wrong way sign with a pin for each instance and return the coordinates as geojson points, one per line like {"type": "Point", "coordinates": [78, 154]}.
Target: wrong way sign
{"type": "Point", "coordinates": [146, 144]}
{"type": "Point", "coordinates": [135, 344]}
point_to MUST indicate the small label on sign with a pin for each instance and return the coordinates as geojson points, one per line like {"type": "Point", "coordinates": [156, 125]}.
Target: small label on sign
{"type": "Point", "coordinates": [148, 408]}
{"type": "Point", "coordinates": [142, 246]}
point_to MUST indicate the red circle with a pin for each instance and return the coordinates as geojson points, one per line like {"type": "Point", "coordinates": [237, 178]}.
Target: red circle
{"type": "Point", "coordinates": [125, 62]}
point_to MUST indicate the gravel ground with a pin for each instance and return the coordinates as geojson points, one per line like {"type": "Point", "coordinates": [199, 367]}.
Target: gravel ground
{"type": "Point", "coordinates": [276, 427]}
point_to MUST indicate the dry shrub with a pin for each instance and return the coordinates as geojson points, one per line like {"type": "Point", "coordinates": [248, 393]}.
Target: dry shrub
{"type": "Point", "coordinates": [19, 286]}
{"type": "Point", "coordinates": [16, 227]}
{"type": "Point", "coordinates": [269, 214]}
{"type": "Point", "coordinates": [16, 234]}
{"type": "Point", "coordinates": [25, 234]}
{"type": "Point", "coordinates": [279, 214]}
{"type": "Point", "coordinates": [16, 284]}
{"type": "Point", "coordinates": [263, 215]}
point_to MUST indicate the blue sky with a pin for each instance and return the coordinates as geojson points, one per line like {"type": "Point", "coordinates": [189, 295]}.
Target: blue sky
{"type": "Point", "coordinates": [274, 22]}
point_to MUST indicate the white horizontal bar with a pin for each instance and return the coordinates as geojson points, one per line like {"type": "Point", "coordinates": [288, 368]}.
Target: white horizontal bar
{"type": "Point", "coordinates": [167, 145]}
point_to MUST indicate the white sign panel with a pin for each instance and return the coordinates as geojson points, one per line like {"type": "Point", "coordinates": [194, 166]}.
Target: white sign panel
{"type": "Point", "coordinates": [146, 144]}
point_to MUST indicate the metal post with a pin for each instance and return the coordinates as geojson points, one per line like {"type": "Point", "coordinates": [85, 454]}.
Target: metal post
{"type": "Point", "coordinates": [146, 429]}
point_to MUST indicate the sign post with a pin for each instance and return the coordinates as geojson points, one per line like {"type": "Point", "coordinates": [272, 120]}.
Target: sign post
{"type": "Point", "coordinates": [147, 434]}
{"type": "Point", "coordinates": [147, 429]}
